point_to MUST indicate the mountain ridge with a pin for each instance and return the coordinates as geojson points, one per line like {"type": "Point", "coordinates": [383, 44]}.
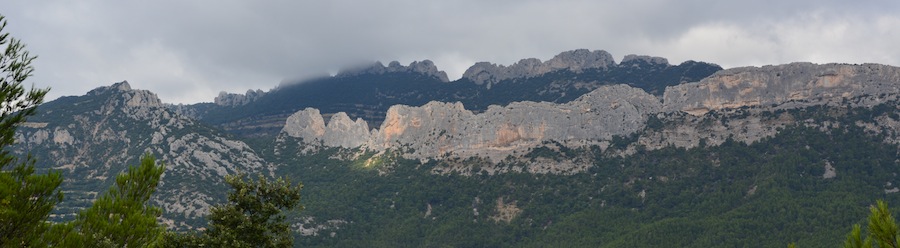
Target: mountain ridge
{"type": "Point", "coordinates": [368, 92]}
{"type": "Point", "coordinates": [448, 131]}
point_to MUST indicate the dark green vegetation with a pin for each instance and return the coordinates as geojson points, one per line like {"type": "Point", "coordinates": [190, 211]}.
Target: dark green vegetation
{"type": "Point", "coordinates": [765, 194]}
{"type": "Point", "coordinates": [883, 230]}
{"type": "Point", "coordinates": [252, 217]}
{"type": "Point", "coordinates": [119, 218]}
{"type": "Point", "coordinates": [369, 96]}
{"type": "Point", "coordinates": [26, 198]}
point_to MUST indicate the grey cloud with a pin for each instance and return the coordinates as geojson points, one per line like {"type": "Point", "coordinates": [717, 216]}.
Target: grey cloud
{"type": "Point", "coordinates": [188, 51]}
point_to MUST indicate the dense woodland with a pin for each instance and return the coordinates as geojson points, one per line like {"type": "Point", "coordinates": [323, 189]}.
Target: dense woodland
{"type": "Point", "coordinates": [765, 194]}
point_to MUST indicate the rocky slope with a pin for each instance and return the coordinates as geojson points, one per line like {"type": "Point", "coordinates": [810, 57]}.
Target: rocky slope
{"type": "Point", "coordinates": [501, 133]}
{"type": "Point", "coordinates": [94, 137]}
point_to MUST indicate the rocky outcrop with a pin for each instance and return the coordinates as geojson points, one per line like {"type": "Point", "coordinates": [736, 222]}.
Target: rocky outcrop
{"type": "Point", "coordinates": [425, 67]}
{"type": "Point", "coordinates": [129, 97]}
{"type": "Point", "coordinates": [448, 130]}
{"type": "Point", "coordinates": [231, 99]}
{"type": "Point", "coordinates": [346, 133]}
{"type": "Point", "coordinates": [636, 60]}
{"type": "Point", "coordinates": [576, 60]}
{"type": "Point", "coordinates": [309, 126]}
{"type": "Point", "coordinates": [798, 84]}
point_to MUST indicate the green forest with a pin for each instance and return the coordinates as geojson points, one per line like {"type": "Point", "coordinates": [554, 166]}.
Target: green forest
{"type": "Point", "coordinates": [766, 194]}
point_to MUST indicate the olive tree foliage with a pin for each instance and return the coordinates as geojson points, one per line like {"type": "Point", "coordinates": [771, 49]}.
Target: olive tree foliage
{"type": "Point", "coordinates": [883, 230]}
{"type": "Point", "coordinates": [26, 198]}
{"type": "Point", "coordinates": [252, 217]}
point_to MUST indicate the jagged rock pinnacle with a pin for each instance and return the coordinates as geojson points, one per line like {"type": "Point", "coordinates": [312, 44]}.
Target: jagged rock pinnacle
{"type": "Point", "coordinates": [575, 60]}
{"type": "Point", "coordinates": [425, 67]}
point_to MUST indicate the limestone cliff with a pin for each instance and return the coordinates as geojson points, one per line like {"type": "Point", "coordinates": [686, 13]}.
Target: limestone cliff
{"type": "Point", "coordinates": [448, 130]}
{"type": "Point", "coordinates": [309, 126]}
{"type": "Point", "coordinates": [805, 84]}
{"type": "Point", "coordinates": [443, 131]}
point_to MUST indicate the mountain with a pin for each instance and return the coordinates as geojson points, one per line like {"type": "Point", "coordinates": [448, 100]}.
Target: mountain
{"type": "Point", "coordinates": [577, 151]}
{"type": "Point", "coordinates": [92, 138]}
{"type": "Point", "coordinates": [368, 92]}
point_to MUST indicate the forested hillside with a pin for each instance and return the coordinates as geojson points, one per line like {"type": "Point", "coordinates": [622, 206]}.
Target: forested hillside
{"type": "Point", "coordinates": [803, 185]}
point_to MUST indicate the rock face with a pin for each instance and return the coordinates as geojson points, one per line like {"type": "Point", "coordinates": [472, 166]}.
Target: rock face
{"type": "Point", "coordinates": [444, 129]}
{"type": "Point", "coordinates": [425, 67]}
{"type": "Point", "coordinates": [440, 130]}
{"type": "Point", "coordinates": [231, 99]}
{"type": "Point", "coordinates": [803, 84]}
{"type": "Point", "coordinates": [309, 126]}
{"type": "Point", "coordinates": [343, 132]}
{"type": "Point", "coordinates": [575, 60]}
{"type": "Point", "coordinates": [448, 130]}
{"type": "Point", "coordinates": [129, 97]}
{"type": "Point", "coordinates": [634, 60]}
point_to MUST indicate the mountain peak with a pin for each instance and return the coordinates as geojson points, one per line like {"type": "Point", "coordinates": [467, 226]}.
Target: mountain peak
{"type": "Point", "coordinates": [425, 67]}
{"type": "Point", "coordinates": [634, 59]}
{"type": "Point", "coordinates": [574, 60]}
{"type": "Point", "coordinates": [131, 97]}
{"type": "Point", "coordinates": [120, 86]}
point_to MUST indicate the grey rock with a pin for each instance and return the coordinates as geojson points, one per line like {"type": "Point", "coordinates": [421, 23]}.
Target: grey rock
{"type": "Point", "coordinates": [307, 125]}
{"type": "Point", "coordinates": [129, 97]}
{"type": "Point", "coordinates": [231, 99]}
{"type": "Point", "coordinates": [447, 130]}
{"type": "Point", "coordinates": [575, 60]}
{"type": "Point", "coordinates": [803, 84]}
{"type": "Point", "coordinates": [438, 130]}
{"type": "Point", "coordinates": [425, 67]}
{"type": "Point", "coordinates": [343, 132]}
{"type": "Point", "coordinates": [632, 60]}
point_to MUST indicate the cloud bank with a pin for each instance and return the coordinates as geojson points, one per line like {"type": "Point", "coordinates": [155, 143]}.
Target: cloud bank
{"type": "Point", "coordinates": [188, 51]}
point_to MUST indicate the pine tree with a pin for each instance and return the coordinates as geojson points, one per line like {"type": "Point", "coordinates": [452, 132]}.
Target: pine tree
{"type": "Point", "coordinates": [121, 217]}
{"type": "Point", "coordinates": [252, 217]}
{"type": "Point", "coordinates": [26, 198]}
{"type": "Point", "coordinates": [883, 230]}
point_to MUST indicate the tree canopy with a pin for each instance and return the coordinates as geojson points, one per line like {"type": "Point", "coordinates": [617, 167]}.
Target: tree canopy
{"type": "Point", "coordinates": [26, 198]}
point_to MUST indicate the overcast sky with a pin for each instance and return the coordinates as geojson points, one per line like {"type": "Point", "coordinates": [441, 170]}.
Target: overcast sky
{"type": "Point", "coordinates": [188, 51]}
